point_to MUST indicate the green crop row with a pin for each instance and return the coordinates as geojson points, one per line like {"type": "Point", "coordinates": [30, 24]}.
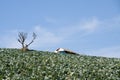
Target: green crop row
{"type": "Point", "coordinates": [39, 65]}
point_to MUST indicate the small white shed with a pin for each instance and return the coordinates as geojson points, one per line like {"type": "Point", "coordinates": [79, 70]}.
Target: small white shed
{"type": "Point", "coordinates": [64, 51]}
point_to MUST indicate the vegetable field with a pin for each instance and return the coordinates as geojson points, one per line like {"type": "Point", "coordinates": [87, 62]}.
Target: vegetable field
{"type": "Point", "coordinates": [40, 65]}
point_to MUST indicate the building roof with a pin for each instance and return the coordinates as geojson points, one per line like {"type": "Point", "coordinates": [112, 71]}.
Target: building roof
{"type": "Point", "coordinates": [67, 51]}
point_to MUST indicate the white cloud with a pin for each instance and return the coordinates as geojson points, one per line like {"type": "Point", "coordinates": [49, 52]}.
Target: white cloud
{"type": "Point", "coordinates": [82, 28]}
{"type": "Point", "coordinates": [9, 40]}
{"type": "Point", "coordinates": [50, 38]}
{"type": "Point", "coordinates": [46, 38]}
{"type": "Point", "coordinates": [94, 25]}
{"type": "Point", "coordinates": [90, 25]}
{"type": "Point", "coordinates": [113, 51]}
{"type": "Point", "coordinates": [108, 25]}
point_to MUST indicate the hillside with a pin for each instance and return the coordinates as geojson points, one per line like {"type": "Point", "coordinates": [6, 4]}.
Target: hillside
{"type": "Point", "coordinates": [40, 65]}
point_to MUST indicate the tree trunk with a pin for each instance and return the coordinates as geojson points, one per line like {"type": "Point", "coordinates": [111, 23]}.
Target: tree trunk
{"type": "Point", "coordinates": [24, 49]}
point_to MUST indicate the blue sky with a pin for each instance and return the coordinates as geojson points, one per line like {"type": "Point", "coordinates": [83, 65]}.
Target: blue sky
{"type": "Point", "coordinates": [90, 27]}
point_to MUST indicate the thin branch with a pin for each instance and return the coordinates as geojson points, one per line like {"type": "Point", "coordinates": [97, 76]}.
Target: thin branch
{"type": "Point", "coordinates": [34, 37]}
{"type": "Point", "coordinates": [22, 37]}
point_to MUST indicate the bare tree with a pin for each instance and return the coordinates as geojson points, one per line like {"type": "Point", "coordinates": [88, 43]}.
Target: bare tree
{"type": "Point", "coordinates": [22, 38]}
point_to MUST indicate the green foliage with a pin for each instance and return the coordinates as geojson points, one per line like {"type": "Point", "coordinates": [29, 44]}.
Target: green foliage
{"type": "Point", "coordinates": [39, 65]}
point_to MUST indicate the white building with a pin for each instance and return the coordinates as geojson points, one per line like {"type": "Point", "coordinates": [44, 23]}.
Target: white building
{"type": "Point", "coordinates": [64, 51]}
